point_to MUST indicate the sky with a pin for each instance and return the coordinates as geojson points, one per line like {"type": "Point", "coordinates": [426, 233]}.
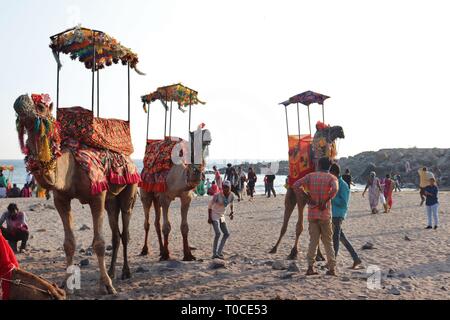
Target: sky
{"type": "Point", "coordinates": [385, 65]}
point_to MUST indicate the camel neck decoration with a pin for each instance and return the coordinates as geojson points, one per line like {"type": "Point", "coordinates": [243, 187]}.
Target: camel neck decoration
{"type": "Point", "coordinates": [44, 149]}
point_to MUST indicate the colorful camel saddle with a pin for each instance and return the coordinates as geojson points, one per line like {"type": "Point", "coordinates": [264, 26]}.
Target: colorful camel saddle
{"type": "Point", "coordinates": [300, 157]}
{"type": "Point", "coordinates": [103, 166]}
{"type": "Point", "coordinates": [158, 162]}
{"type": "Point", "coordinates": [110, 134]}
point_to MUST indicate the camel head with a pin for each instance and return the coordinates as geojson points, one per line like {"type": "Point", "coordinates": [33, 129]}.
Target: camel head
{"type": "Point", "coordinates": [333, 133]}
{"type": "Point", "coordinates": [34, 118]}
{"type": "Point", "coordinates": [195, 170]}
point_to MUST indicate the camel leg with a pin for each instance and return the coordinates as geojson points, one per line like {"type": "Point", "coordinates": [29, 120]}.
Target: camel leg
{"type": "Point", "coordinates": [185, 203]}
{"type": "Point", "coordinates": [290, 202]}
{"type": "Point", "coordinates": [299, 227]}
{"type": "Point", "coordinates": [97, 205]}
{"type": "Point", "coordinates": [166, 230]}
{"type": "Point", "coordinates": [62, 204]}
{"type": "Point", "coordinates": [158, 225]}
{"type": "Point", "coordinates": [127, 200]}
{"type": "Point", "coordinates": [113, 209]}
{"type": "Point", "coordinates": [147, 204]}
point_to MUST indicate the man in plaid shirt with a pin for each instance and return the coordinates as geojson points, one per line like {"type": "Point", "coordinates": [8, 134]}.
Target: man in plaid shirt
{"type": "Point", "coordinates": [321, 187]}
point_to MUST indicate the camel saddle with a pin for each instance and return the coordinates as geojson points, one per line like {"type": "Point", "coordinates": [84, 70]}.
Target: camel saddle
{"type": "Point", "coordinates": [110, 134]}
{"type": "Point", "coordinates": [158, 162]}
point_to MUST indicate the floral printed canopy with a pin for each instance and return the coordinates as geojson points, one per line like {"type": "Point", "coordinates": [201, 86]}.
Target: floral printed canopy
{"type": "Point", "coordinates": [306, 98]}
{"type": "Point", "coordinates": [184, 96]}
{"type": "Point", "coordinates": [80, 42]}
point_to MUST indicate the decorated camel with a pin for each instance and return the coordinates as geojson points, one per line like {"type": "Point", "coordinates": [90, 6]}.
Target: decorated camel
{"type": "Point", "coordinates": [60, 162]}
{"type": "Point", "coordinates": [322, 145]}
{"type": "Point", "coordinates": [176, 180]}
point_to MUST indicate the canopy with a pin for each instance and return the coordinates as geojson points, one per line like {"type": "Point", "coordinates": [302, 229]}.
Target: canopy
{"type": "Point", "coordinates": [306, 98]}
{"type": "Point", "coordinates": [79, 43]}
{"type": "Point", "coordinates": [178, 93]}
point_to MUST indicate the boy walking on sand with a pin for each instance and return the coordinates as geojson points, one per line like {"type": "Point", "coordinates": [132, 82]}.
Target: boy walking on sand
{"type": "Point", "coordinates": [432, 203]}
{"type": "Point", "coordinates": [339, 210]}
{"type": "Point", "coordinates": [322, 187]}
{"type": "Point", "coordinates": [216, 217]}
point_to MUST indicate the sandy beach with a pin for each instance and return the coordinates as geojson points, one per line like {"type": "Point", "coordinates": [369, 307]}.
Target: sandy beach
{"type": "Point", "coordinates": [415, 269]}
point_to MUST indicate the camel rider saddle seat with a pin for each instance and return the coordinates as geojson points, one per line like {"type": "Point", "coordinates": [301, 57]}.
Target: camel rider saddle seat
{"type": "Point", "coordinates": [110, 134]}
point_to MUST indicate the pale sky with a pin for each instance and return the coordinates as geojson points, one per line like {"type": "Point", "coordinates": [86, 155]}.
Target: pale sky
{"type": "Point", "coordinates": [385, 64]}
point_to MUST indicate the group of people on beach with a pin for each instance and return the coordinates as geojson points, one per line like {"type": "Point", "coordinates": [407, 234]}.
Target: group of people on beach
{"type": "Point", "coordinates": [30, 187]}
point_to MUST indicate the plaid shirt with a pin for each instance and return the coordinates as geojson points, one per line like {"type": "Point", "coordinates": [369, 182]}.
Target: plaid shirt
{"type": "Point", "coordinates": [320, 185]}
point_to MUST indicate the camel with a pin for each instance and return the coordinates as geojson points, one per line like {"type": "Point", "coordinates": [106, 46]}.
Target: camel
{"type": "Point", "coordinates": [180, 181]}
{"type": "Point", "coordinates": [293, 199]}
{"type": "Point", "coordinates": [68, 180]}
{"type": "Point", "coordinates": [27, 286]}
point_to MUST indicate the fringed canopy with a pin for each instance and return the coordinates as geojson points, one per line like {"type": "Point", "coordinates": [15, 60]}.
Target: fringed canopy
{"type": "Point", "coordinates": [178, 93]}
{"type": "Point", "coordinates": [306, 98]}
{"type": "Point", "coordinates": [80, 42]}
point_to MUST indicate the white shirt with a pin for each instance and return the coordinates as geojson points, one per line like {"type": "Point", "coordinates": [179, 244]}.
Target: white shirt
{"type": "Point", "coordinates": [217, 205]}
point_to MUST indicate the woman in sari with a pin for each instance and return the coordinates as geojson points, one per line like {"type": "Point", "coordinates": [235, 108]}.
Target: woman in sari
{"type": "Point", "coordinates": [389, 186]}
{"type": "Point", "coordinates": [217, 178]}
{"type": "Point", "coordinates": [374, 186]}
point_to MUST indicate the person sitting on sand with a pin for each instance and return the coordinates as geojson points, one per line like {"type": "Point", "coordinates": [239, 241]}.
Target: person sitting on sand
{"type": "Point", "coordinates": [374, 186]}
{"type": "Point", "coordinates": [432, 203]}
{"type": "Point", "coordinates": [14, 192]}
{"type": "Point", "coordinates": [322, 187]}
{"type": "Point", "coordinates": [26, 191]}
{"type": "Point", "coordinates": [339, 207]}
{"type": "Point", "coordinates": [16, 227]}
{"type": "Point", "coordinates": [216, 216]}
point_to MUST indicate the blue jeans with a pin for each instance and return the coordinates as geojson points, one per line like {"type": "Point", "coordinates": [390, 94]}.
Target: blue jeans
{"type": "Point", "coordinates": [432, 211]}
{"type": "Point", "coordinates": [223, 226]}
{"type": "Point", "coordinates": [339, 236]}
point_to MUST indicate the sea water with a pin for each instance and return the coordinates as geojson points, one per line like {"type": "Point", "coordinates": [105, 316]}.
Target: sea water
{"type": "Point", "coordinates": [19, 175]}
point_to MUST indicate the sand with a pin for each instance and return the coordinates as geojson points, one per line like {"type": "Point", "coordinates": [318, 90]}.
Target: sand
{"type": "Point", "coordinates": [415, 269]}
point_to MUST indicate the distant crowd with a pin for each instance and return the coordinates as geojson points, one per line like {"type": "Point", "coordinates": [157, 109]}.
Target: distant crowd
{"type": "Point", "coordinates": [29, 189]}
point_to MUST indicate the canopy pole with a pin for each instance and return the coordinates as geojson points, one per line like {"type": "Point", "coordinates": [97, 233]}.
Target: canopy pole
{"type": "Point", "coordinates": [57, 84]}
{"type": "Point", "coordinates": [129, 92]}
{"type": "Point", "coordinates": [98, 93]}
{"type": "Point", "coordinates": [165, 123]}
{"type": "Point", "coordinates": [309, 121]}
{"type": "Point", "coordinates": [170, 123]}
{"type": "Point", "coordinates": [298, 120]}
{"type": "Point", "coordinates": [323, 113]}
{"type": "Point", "coordinates": [287, 123]}
{"type": "Point", "coordinates": [148, 120]}
{"type": "Point", "coordinates": [93, 72]}
{"type": "Point", "coordinates": [190, 104]}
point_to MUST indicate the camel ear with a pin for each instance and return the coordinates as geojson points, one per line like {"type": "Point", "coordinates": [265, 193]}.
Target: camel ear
{"type": "Point", "coordinates": [50, 107]}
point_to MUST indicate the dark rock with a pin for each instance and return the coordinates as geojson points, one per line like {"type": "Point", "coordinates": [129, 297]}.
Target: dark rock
{"type": "Point", "coordinates": [142, 270]}
{"type": "Point", "coordinates": [41, 230]}
{"type": "Point", "coordinates": [407, 238]}
{"type": "Point", "coordinates": [82, 251]}
{"type": "Point", "coordinates": [286, 276]}
{"type": "Point", "coordinates": [293, 267]}
{"type": "Point", "coordinates": [109, 247]}
{"type": "Point", "coordinates": [367, 246]}
{"type": "Point", "coordinates": [444, 288]}
{"type": "Point", "coordinates": [218, 264]}
{"type": "Point", "coordinates": [84, 227]}
{"type": "Point", "coordinates": [394, 291]}
{"type": "Point", "coordinates": [345, 279]}
{"type": "Point", "coordinates": [84, 262]}
{"type": "Point", "coordinates": [174, 264]}
{"type": "Point", "coordinates": [279, 265]}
